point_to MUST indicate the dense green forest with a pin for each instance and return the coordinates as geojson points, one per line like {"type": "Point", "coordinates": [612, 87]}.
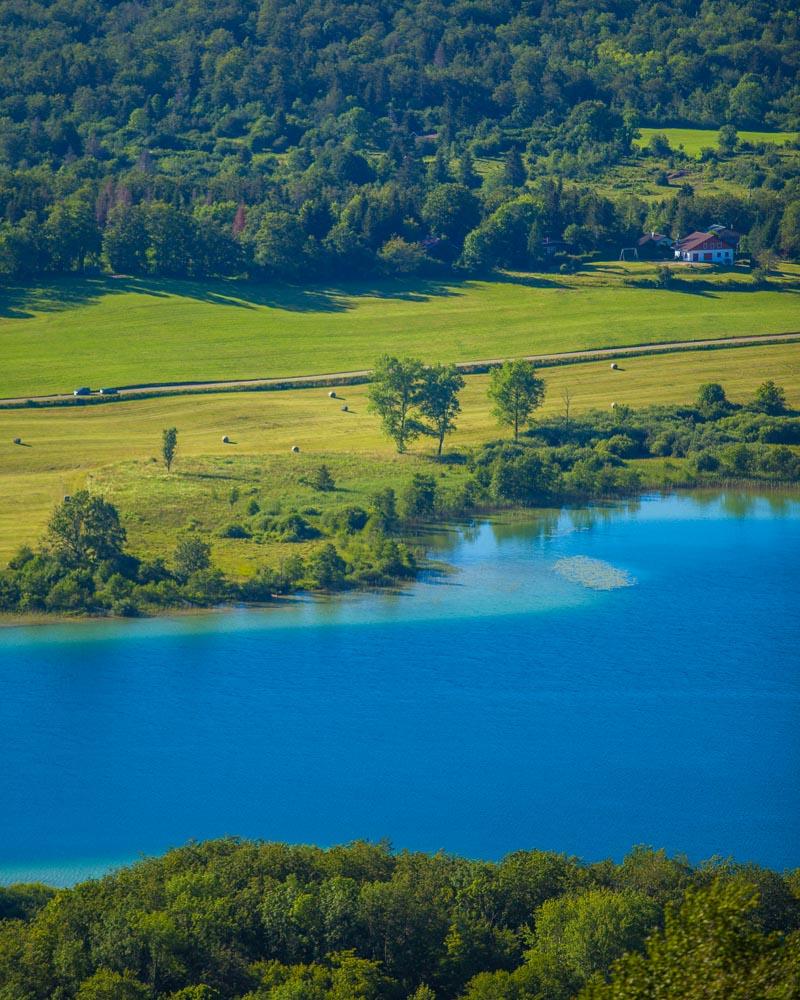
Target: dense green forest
{"type": "Point", "coordinates": [264, 921]}
{"type": "Point", "coordinates": [306, 140]}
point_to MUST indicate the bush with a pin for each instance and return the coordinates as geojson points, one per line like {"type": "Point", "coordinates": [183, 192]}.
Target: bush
{"type": "Point", "coordinates": [620, 445]}
{"type": "Point", "coordinates": [73, 593]}
{"type": "Point", "coordinates": [418, 500]}
{"type": "Point", "coordinates": [206, 587]}
{"type": "Point", "coordinates": [707, 461]}
{"type": "Point", "coordinates": [264, 585]}
{"type": "Point", "coordinates": [326, 568]}
{"type": "Point", "coordinates": [770, 398]}
{"type": "Point", "coordinates": [665, 277]}
{"type": "Point", "coordinates": [348, 520]}
{"type": "Point", "coordinates": [234, 530]}
{"type": "Point", "coordinates": [383, 511]}
{"type": "Point", "coordinates": [293, 528]}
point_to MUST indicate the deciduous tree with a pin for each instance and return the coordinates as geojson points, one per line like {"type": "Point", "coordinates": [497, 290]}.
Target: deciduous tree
{"type": "Point", "coordinates": [393, 392]}
{"type": "Point", "coordinates": [438, 400]}
{"type": "Point", "coordinates": [516, 391]}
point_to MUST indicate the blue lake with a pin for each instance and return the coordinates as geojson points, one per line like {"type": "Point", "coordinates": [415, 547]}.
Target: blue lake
{"type": "Point", "coordinates": [505, 704]}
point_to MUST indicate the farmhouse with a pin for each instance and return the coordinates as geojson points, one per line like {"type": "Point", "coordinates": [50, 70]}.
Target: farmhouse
{"type": "Point", "coordinates": [653, 245]}
{"type": "Point", "coordinates": [705, 248]}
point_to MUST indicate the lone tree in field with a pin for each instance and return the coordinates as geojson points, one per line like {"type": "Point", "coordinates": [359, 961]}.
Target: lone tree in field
{"type": "Point", "coordinates": [394, 390]}
{"type": "Point", "coordinates": [322, 480]}
{"type": "Point", "coordinates": [85, 530]}
{"type": "Point", "coordinates": [438, 399]}
{"type": "Point", "coordinates": [169, 444]}
{"type": "Point", "coordinates": [516, 392]}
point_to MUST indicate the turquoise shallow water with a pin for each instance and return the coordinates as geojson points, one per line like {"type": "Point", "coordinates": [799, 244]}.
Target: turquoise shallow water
{"type": "Point", "coordinates": [506, 704]}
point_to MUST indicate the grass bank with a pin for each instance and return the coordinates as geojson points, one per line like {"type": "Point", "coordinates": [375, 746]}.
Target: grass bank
{"type": "Point", "coordinates": [102, 331]}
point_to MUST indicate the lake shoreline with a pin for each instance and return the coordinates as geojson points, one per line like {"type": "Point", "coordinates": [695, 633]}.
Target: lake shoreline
{"type": "Point", "coordinates": [9, 621]}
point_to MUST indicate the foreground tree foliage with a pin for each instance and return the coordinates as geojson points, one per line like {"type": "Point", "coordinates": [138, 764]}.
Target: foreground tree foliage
{"type": "Point", "coordinates": [238, 920]}
{"type": "Point", "coordinates": [711, 947]}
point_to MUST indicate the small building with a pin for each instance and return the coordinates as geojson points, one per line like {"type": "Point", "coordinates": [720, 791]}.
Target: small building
{"type": "Point", "coordinates": [551, 247]}
{"type": "Point", "coordinates": [653, 246]}
{"type": "Point", "coordinates": [704, 248]}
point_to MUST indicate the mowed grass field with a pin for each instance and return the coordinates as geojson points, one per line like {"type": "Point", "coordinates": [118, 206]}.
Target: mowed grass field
{"type": "Point", "coordinates": [117, 332]}
{"type": "Point", "coordinates": [695, 139]}
{"type": "Point", "coordinates": [113, 448]}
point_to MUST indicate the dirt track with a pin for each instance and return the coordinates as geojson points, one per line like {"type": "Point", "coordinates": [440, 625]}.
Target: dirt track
{"type": "Point", "coordinates": [355, 377]}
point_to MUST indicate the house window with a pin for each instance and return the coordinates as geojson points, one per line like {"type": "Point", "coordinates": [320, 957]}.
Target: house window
{"type": "Point", "coordinates": [694, 256]}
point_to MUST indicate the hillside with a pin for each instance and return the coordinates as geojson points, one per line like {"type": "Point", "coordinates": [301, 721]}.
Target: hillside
{"type": "Point", "coordinates": [301, 141]}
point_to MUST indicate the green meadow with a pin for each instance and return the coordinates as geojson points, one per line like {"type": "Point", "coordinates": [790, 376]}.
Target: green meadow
{"type": "Point", "coordinates": [103, 331]}
{"type": "Point", "coordinates": [113, 448]}
{"type": "Point", "coordinates": [695, 139]}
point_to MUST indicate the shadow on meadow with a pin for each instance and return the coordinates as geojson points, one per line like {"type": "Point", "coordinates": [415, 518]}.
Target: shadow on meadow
{"type": "Point", "coordinates": [26, 301]}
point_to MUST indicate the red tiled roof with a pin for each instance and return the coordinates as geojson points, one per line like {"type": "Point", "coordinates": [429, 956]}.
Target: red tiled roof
{"type": "Point", "coordinates": [696, 240]}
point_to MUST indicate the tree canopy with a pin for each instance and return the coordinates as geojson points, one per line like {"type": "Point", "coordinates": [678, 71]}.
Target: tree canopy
{"type": "Point", "coordinates": [242, 920]}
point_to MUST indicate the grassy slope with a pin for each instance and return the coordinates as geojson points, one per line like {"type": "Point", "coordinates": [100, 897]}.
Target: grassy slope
{"type": "Point", "coordinates": [112, 446]}
{"type": "Point", "coordinates": [695, 139]}
{"type": "Point", "coordinates": [118, 332]}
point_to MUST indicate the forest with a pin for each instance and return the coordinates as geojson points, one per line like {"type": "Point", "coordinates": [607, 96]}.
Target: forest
{"type": "Point", "coordinates": [298, 141]}
{"type": "Point", "coordinates": [250, 920]}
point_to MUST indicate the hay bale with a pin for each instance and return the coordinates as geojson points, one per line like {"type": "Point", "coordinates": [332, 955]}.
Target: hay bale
{"type": "Point", "coordinates": [295, 449]}
{"type": "Point", "coordinates": [332, 394]}
{"type": "Point", "coordinates": [226, 439]}
{"type": "Point", "coordinates": [344, 408]}
{"type": "Point", "coordinates": [613, 406]}
{"type": "Point", "coordinates": [614, 366]}
{"type": "Point", "coordinates": [17, 440]}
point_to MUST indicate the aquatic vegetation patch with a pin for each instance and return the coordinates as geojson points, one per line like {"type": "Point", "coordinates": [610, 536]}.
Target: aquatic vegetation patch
{"type": "Point", "coordinates": [593, 573]}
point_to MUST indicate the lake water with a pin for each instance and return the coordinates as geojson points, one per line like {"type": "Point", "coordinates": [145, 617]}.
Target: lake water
{"type": "Point", "coordinates": [507, 704]}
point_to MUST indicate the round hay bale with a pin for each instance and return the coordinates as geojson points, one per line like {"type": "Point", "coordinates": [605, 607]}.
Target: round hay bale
{"type": "Point", "coordinates": [295, 449]}
{"type": "Point", "coordinates": [226, 439]}
{"type": "Point", "coordinates": [614, 366]}
{"type": "Point", "coordinates": [344, 408]}
{"type": "Point", "coordinates": [17, 440]}
{"type": "Point", "coordinates": [613, 406]}
{"type": "Point", "coordinates": [332, 394]}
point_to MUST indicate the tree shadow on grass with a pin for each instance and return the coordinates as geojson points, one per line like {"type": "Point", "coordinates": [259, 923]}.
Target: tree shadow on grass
{"type": "Point", "coordinates": [62, 294]}
{"type": "Point", "coordinates": [26, 301]}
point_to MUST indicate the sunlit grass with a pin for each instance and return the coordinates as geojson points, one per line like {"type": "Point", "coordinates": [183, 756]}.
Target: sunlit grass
{"type": "Point", "coordinates": [114, 446]}
{"type": "Point", "coordinates": [695, 139]}
{"type": "Point", "coordinates": [102, 332]}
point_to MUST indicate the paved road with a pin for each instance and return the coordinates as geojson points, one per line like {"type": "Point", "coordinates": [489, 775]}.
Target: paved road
{"type": "Point", "coordinates": [355, 377]}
